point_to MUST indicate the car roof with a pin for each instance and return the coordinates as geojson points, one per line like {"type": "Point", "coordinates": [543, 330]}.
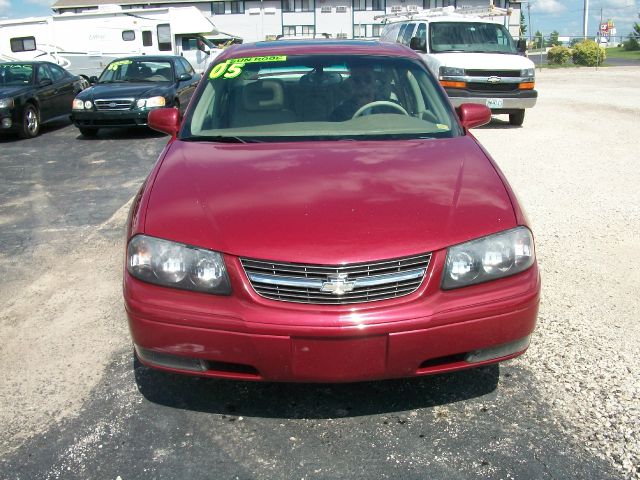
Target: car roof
{"type": "Point", "coordinates": [318, 47]}
{"type": "Point", "coordinates": [150, 58]}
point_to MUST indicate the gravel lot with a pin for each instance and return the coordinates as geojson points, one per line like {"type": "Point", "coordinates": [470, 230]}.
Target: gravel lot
{"type": "Point", "coordinates": [574, 168]}
{"type": "Point", "coordinates": [570, 408]}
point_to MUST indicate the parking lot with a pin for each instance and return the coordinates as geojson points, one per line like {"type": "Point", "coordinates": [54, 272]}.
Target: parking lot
{"type": "Point", "coordinates": [74, 405]}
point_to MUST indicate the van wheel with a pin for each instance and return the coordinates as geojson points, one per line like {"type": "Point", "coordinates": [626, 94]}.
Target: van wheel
{"type": "Point", "coordinates": [516, 119]}
{"type": "Point", "coordinates": [30, 122]}
{"type": "Point", "coordinates": [89, 132]}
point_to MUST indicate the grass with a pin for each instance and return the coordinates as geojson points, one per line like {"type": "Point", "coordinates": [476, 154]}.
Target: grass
{"type": "Point", "coordinates": [620, 52]}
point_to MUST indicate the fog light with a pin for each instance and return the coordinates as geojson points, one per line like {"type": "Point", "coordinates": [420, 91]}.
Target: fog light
{"type": "Point", "coordinates": [498, 351]}
{"type": "Point", "coordinates": [172, 361]}
{"type": "Point", "coordinates": [6, 123]}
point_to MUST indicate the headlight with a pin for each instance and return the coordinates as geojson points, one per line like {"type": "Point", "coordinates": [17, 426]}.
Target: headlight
{"type": "Point", "coordinates": [176, 265]}
{"type": "Point", "coordinates": [451, 72]}
{"type": "Point", "coordinates": [489, 258]}
{"type": "Point", "coordinates": [528, 73]}
{"type": "Point", "coordinates": [6, 103]}
{"type": "Point", "coordinates": [151, 102]}
{"type": "Point", "coordinates": [78, 104]}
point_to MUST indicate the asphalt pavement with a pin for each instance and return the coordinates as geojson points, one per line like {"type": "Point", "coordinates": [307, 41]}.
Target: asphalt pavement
{"type": "Point", "coordinates": [60, 194]}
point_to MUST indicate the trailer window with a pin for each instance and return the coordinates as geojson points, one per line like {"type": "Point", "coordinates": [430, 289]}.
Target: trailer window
{"type": "Point", "coordinates": [147, 40]}
{"type": "Point", "coordinates": [164, 37]}
{"type": "Point", "coordinates": [128, 35]}
{"type": "Point", "coordinates": [23, 44]}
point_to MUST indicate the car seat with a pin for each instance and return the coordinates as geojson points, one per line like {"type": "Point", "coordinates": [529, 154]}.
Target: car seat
{"type": "Point", "coordinates": [260, 103]}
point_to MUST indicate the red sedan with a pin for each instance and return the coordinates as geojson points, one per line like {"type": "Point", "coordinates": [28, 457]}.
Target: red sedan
{"type": "Point", "coordinates": [322, 214]}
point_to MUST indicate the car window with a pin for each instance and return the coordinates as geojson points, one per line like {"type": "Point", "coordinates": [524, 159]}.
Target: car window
{"type": "Point", "coordinates": [179, 68]}
{"type": "Point", "coordinates": [187, 66]}
{"type": "Point", "coordinates": [320, 97]}
{"type": "Point", "coordinates": [408, 33]}
{"type": "Point", "coordinates": [43, 73]}
{"type": "Point", "coordinates": [130, 70]}
{"type": "Point", "coordinates": [57, 73]}
{"type": "Point", "coordinates": [13, 74]}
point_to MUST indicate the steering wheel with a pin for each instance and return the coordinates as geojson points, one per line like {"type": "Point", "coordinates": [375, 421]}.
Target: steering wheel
{"type": "Point", "coordinates": [379, 103]}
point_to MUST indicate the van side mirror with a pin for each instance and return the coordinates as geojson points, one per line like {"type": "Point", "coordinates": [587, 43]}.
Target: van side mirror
{"type": "Point", "coordinates": [521, 45]}
{"type": "Point", "coordinates": [416, 43]}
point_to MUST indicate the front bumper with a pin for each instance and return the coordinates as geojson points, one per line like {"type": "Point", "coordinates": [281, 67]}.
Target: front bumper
{"type": "Point", "coordinates": [123, 118]}
{"type": "Point", "coordinates": [244, 336]}
{"type": "Point", "coordinates": [511, 101]}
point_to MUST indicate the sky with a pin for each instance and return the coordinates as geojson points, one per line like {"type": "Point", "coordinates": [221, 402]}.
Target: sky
{"type": "Point", "coordinates": [566, 16]}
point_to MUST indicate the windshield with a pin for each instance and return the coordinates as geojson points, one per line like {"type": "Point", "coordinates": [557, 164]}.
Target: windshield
{"type": "Point", "coordinates": [137, 71]}
{"type": "Point", "coordinates": [14, 75]}
{"type": "Point", "coordinates": [288, 98]}
{"type": "Point", "coordinates": [470, 37]}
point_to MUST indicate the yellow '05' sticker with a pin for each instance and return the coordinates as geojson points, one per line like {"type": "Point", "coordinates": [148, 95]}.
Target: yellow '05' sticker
{"type": "Point", "coordinates": [232, 67]}
{"type": "Point", "coordinates": [115, 65]}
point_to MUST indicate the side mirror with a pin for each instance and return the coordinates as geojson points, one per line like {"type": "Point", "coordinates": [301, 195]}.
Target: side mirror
{"type": "Point", "coordinates": [473, 115]}
{"type": "Point", "coordinates": [521, 45]}
{"type": "Point", "coordinates": [184, 77]}
{"type": "Point", "coordinates": [93, 80]}
{"type": "Point", "coordinates": [45, 82]}
{"type": "Point", "coordinates": [165, 120]}
{"type": "Point", "coordinates": [416, 44]}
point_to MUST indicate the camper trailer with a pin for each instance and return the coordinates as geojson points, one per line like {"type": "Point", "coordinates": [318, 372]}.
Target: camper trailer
{"type": "Point", "coordinates": [84, 43]}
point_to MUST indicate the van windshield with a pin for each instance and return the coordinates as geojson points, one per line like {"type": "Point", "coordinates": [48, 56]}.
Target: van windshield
{"type": "Point", "coordinates": [470, 37]}
{"type": "Point", "coordinates": [318, 97]}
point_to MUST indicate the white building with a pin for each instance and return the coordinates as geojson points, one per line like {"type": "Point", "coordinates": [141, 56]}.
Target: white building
{"type": "Point", "coordinates": [254, 20]}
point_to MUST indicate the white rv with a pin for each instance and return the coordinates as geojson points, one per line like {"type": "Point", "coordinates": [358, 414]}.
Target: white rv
{"type": "Point", "coordinates": [85, 43]}
{"type": "Point", "coordinates": [472, 54]}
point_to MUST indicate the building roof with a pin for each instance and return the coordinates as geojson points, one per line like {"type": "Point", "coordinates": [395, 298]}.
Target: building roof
{"type": "Point", "coordinates": [95, 3]}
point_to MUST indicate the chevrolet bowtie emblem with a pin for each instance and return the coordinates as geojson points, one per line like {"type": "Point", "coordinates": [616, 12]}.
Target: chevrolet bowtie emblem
{"type": "Point", "coordinates": [494, 79]}
{"type": "Point", "coordinates": [338, 284]}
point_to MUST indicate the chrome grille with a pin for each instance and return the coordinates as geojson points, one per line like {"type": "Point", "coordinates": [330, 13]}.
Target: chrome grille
{"type": "Point", "coordinates": [354, 283]}
{"type": "Point", "coordinates": [114, 104]}
{"type": "Point", "coordinates": [491, 73]}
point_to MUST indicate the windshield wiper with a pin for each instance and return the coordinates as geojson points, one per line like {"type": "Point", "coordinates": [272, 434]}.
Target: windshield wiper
{"type": "Point", "coordinates": [218, 138]}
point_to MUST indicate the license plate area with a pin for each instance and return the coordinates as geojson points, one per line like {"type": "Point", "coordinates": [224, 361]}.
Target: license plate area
{"type": "Point", "coordinates": [347, 359]}
{"type": "Point", "coordinates": [495, 102]}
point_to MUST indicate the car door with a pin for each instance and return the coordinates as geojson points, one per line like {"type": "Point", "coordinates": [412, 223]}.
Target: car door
{"type": "Point", "coordinates": [65, 90]}
{"type": "Point", "coordinates": [45, 92]}
{"type": "Point", "coordinates": [185, 88]}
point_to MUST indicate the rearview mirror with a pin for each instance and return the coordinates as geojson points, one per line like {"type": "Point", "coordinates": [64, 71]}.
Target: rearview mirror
{"type": "Point", "coordinates": [473, 115]}
{"type": "Point", "coordinates": [165, 120]}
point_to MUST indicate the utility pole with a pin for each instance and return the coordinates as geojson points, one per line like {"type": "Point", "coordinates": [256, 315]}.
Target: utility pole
{"type": "Point", "coordinates": [529, 12]}
{"type": "Point", "coordinates": [586, 19]}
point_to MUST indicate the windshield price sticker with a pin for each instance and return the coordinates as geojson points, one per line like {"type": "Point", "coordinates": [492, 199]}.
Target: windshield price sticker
{"type": "Point", "coordinates": [115, 65]}
{"type": "Point", "coordinates": [233, 67]}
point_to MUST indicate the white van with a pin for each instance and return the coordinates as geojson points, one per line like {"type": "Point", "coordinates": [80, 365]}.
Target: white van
{"type": "Point", "coordinates": [474, 57]}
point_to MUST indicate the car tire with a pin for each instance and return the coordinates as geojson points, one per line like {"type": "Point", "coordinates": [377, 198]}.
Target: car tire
{"type": "Point", "coordinates": [30, 126]}
{"type": "Point", "coordinates": [516, 119]}
{"type": "Point", "coordinates": [89, 132]}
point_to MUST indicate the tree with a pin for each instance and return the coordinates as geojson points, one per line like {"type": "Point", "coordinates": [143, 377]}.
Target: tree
{"type": "Point", "coordinates": [553, 39]}
{"type": "Point", "coordinates": [523, 26]}
{"type": "Point", "coordinates": [636, 30]}
{"type": "Point", "coordinates": [538, 41]}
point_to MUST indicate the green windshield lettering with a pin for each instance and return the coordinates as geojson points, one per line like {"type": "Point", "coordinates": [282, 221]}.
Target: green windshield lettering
{"type": "Point", "coordinates": [232, 67]}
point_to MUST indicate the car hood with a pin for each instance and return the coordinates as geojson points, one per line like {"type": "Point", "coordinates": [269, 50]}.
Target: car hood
{"type": "Point", "coordinates": [327, 202]}
{"type": "Point", "coordinates": [484, 61]}
{"type": "Point", "coordinates": [123, 90]}
{"type": "Point", "coordinates": [13, 91]}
